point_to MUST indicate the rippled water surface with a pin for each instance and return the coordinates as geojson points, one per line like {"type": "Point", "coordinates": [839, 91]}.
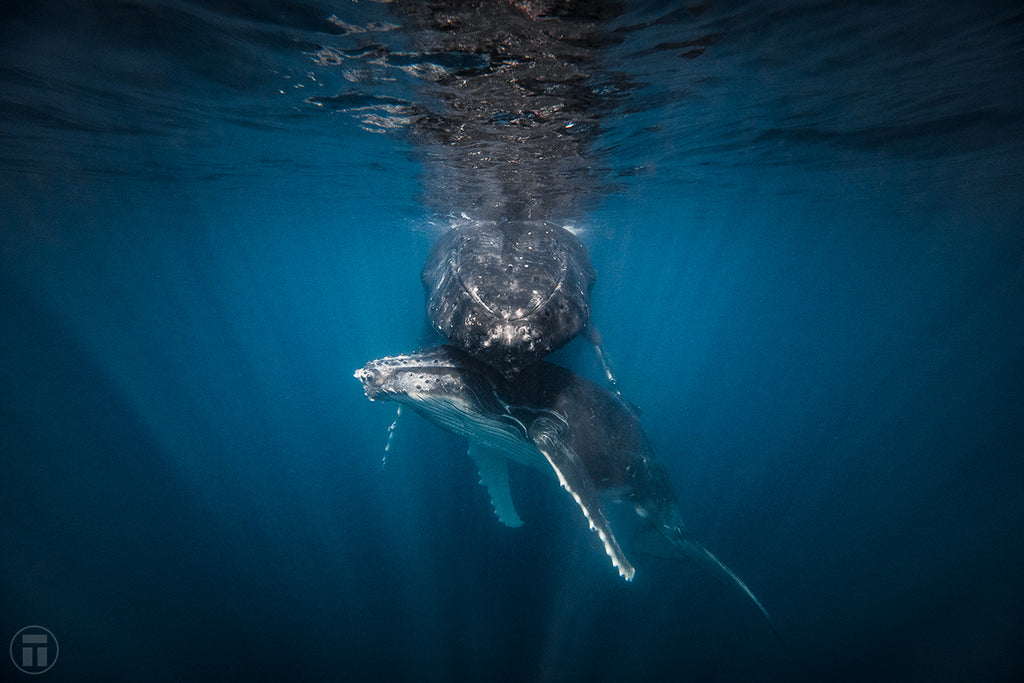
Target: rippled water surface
{"type": "Point", "coordinates": [807, 223]}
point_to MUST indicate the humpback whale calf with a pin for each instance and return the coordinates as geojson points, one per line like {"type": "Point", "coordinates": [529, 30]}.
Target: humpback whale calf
{"type": "Point", "coordinates": [554, 420]}
{"type": "Point", "coordinates": [508, 292]}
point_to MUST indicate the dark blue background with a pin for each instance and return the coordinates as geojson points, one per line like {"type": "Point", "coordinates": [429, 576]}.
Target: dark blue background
{"type": "Point", "coordinates": [810, 266]}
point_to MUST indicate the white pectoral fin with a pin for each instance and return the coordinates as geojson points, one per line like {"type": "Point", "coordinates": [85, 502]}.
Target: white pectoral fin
{"type": "Point", "coordinates": [573, 476]}
{"type": "Point", "coordinates": [493, 468]}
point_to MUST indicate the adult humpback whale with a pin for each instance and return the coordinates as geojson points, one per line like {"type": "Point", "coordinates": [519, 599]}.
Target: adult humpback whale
{"type": "Point", "coordinates": [551, 419]}
{"type": "Point", "coordinates": [504, 132]}
{"type": "Point", "coordinates": [508, 292]}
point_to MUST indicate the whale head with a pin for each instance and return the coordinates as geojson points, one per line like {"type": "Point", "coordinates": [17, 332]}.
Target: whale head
{"type": "Point", "coordinates": [444, 385]}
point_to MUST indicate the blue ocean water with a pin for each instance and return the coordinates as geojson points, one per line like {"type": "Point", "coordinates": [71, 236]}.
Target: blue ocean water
{"type": "Point", "coordinates": [809, 242]}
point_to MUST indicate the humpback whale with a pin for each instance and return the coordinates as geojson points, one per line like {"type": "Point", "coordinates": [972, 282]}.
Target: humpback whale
{"type": "Point", "coordinates": [512, 99]}
{"type": "Point", "coordinates": [508, 292]}
{"type": "Point", "coordinates": [554, 420]}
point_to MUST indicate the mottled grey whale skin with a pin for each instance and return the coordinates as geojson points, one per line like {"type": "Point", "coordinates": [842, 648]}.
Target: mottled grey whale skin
{"type": "Point", "coordinates": [554, 420]}
{"type": "Point", "coordinates": [508, 292]}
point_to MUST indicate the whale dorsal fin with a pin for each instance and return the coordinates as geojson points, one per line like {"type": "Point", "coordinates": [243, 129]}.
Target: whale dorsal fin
{"type": "Point", "coordinates": [572, 475]}
{"type": "Point", "coordinates": [493, 468]}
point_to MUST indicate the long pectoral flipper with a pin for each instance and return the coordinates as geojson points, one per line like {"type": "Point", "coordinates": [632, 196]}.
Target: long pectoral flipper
{"type": "Point", "coordinates": [594, 338]}
{"type": "Point", "coordinates": [689, 547]}
{"type": "Point", "coordinates": [572, 475]}
{"type": "Point", "coordinates": [739, 583]}
{"type": "Point", "coordinates": [493, 468]}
